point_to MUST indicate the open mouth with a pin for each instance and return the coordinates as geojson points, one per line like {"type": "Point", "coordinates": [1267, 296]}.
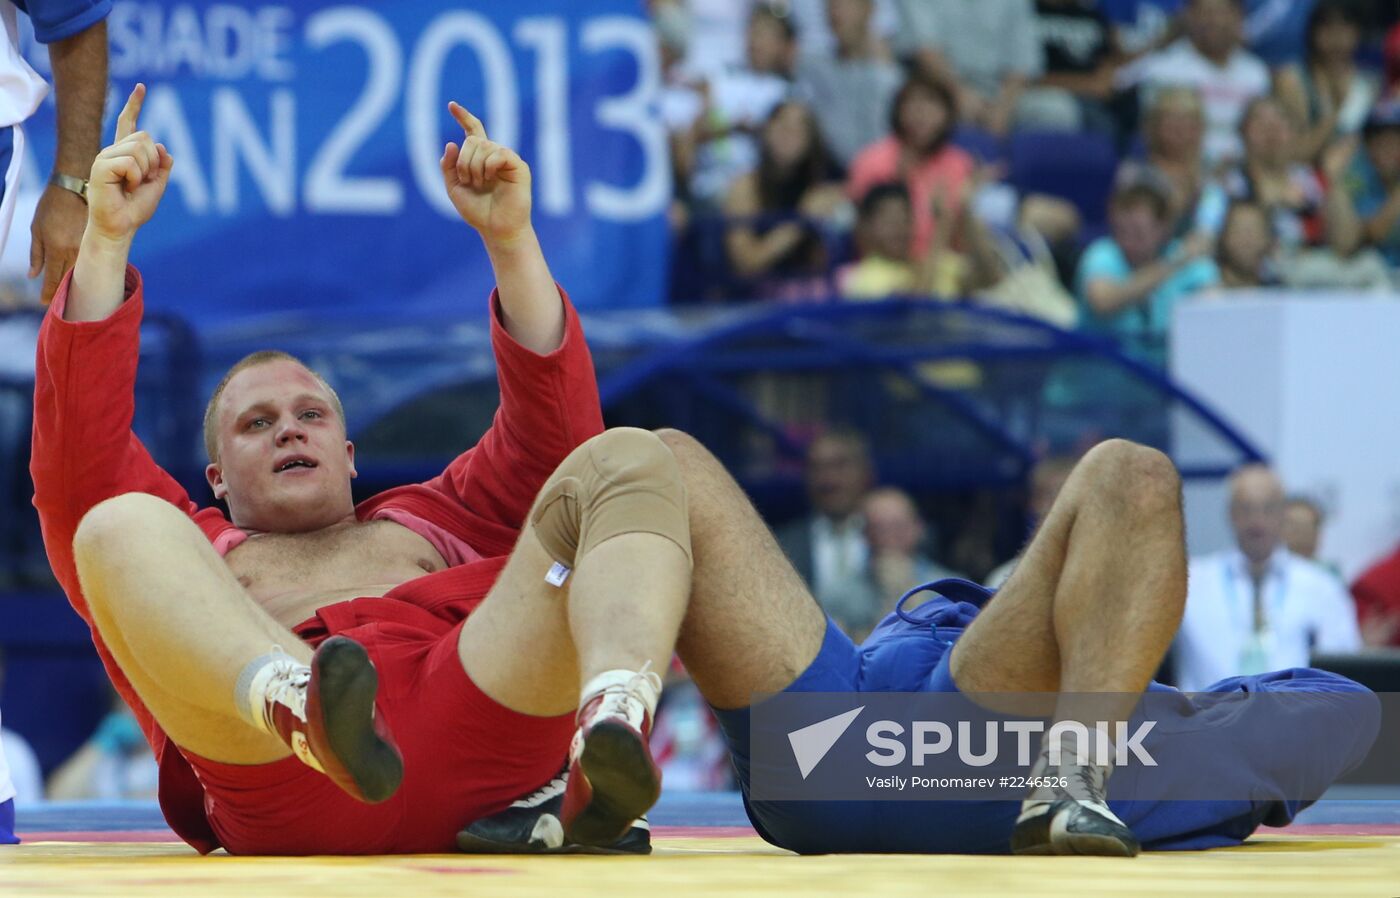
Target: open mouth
{"type": "Point", "coordinates": [292, 464]}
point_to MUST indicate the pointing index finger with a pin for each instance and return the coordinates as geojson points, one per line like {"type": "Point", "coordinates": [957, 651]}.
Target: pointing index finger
{"type": "Point", "coordinates": [470, 123]}
{"type": "Point", "coordinates": [126, 121]}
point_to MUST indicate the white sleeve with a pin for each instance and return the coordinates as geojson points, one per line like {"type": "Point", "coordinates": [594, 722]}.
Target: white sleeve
{"type": "Point", "coordinates": [1335, 619]}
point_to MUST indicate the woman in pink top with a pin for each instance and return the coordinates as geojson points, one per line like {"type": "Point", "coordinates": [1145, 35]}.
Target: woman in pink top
{"type": "Point", "coordinates": [919, 154]}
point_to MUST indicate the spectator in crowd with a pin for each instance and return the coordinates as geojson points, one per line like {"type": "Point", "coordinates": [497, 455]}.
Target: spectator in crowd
{"type": "Point", "coordinates": [114, 764]}
{"type": "Point", "coordinates": [897, 536]}
{"type": "Point", "coordinates": [737, 101]}
{"type": "Point", "coordinates": [920, 152]}
{"type": "Point", "coordinates": [17, 756]}
{"type": "Point", "coordinates": [775, 213]}
{"type": "Point", "coordinates": [1245, 252]}
{"type": "Point", "coordinates": [1259, 607]}
{"type": "Point", "coordinates": [1318, 229]}
{"type": "Point", "coordinates": [1173, 139]}
{"type": "Point", "coordinates": [1047, 479]}
{"type": "Point", "coordinates": [1077, 89]}
{"type": "Point", "coordinates": [1129, 281]}
{"type": "Point", "coordinates": [828, 548]}
{"type": "Point", "coordinates": [1211, 58]}
{"type": "Point", "coordinates": [1327, 94]}
{"type": "Point", "coordinates": [814, 28]}
{"type": "Point", "coordinates": [988, 48]}
{"type": "Point", "coordinates": [1302, 530]}
{"type": "Point", "coordinates": [1372, 181]}
{"type": "Point", "coordinates": [1377, 594]}
{"type": "Point", "coordinates": [852, 88]}
{"type": "Point", "coordinates": [887, 265]}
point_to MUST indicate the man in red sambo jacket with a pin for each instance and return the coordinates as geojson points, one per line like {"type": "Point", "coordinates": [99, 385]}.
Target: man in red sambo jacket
{"type": "Point", "coordinates": [317, 677]}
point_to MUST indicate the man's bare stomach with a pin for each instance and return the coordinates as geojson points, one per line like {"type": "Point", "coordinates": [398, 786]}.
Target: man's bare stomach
{"type": "Point", "coordinates": [292, 575]}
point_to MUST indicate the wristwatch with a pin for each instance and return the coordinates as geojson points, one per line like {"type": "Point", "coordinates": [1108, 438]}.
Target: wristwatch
{"type": "Point", "coordinates": [68, 182]}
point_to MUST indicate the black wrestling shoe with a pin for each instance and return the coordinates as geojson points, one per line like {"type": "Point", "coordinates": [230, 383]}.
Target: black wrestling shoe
{"type": "Point", "coordinates": [532, 826]}
{"type": "Point", "coordinates": [1073, 820]}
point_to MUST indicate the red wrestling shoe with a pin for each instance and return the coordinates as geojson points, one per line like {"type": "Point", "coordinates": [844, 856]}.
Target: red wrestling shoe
{"type": "Point", "coordinates": [326, 717]}
{"type": "Point", "coordinates": [612, 778]}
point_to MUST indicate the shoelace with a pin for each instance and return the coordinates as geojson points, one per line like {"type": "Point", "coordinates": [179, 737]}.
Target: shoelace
{"type": "Point", "coordinates": [626, 700]}
{"type": "Point", "coordinates": [1090, 778]}
{"type": "Point", "coordinates": [552, 789]}
{"type": "Point", "coordinates": [288, 688]}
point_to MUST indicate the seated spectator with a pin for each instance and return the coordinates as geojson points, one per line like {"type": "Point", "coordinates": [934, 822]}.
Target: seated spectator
{"type": "Point", "coordinates": [1270, 175]}
{"type": "Point", "coordinates": [773, 237]}
{"type": "Point", "coordinates": [1327, 94]}
{"type": "Point", "coordinates": [1320, 235]}
{"type": "Point", "coordinates": [828, 547]}
{"type": "Point", "coordinates": [1082, 56]}
{"type": "Point", "coordinates": [1372, 181]}
{"type": "Point", "coordinates": [1377, 594]}
{"type": "Point", "coordinates": [814, 27]}
{"type": "Point", "coordinates": [1173, 135]}
{"type": "Point", "coordinates": [1245, 251]}
{"type": "Point", "coordinates": [1211, 58]}
{"type": "Point", "coordinates": [887, 266]}
{"type": "Point", "coordinates": [988, 48]}
{"type": "Point", "coordinates": [919, 152]}
{"type": "Point", "coordinates": [896, 534]}
{"type": "Point", "coordinates": [1302, 531]}
{"type": "Point", "coordinates": [115, 764]}
{"type": "Point", "coordinates": [738, 100]}
{"type": "Point", "coordinates": [1129, 281]}
{"type": "Point", "coordinates": [1259, 607]}
{"type": "Point", "coordinates": [851, 89]}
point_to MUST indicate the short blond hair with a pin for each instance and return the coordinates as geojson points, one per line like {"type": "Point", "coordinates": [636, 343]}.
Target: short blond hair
{"type": "Point", "coordinates": [253, 360]}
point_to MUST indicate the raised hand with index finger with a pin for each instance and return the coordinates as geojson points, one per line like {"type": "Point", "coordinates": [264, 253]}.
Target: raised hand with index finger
{"type": "Point", "coordinates": [489, 184]}
{"type": "Point", "coordinates": [128, 177]}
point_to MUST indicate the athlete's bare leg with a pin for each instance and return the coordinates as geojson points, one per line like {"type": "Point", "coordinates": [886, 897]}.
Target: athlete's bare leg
{"type": "Point", "coordinates": [1098, 595]}
{"type": "Point", "coordinates": [1091, 608]}
{"type": "Point", "coordinates": [179, 624]}
{"type": "Point", "coordinates": [530, 644]}
{"type": "Point", "coordinates": [752, 625]}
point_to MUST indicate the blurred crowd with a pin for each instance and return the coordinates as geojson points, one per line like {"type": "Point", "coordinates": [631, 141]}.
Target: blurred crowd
{"type": "Point", "coordinates": [1150, 149]}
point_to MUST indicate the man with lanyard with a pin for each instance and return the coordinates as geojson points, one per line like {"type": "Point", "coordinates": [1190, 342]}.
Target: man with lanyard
{"type": "Point", "coordinates": [1259, 607]}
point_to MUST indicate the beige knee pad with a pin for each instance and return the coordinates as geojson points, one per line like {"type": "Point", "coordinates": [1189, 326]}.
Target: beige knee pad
{"type": "Point", "coordinates": [624, 480]}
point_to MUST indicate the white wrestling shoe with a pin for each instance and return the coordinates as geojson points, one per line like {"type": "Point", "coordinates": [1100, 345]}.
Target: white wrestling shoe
{"type": "Point", "coordinates": [1072, 816]}
{"type": "Point", "coordinates": [612, 778]}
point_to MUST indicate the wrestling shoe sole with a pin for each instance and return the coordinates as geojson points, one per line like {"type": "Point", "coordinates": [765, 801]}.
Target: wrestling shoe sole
{"type": "Point", "coordinates": [471, 843]}
{"type": "Point", "coordinates": [624, 783]}
{"type": "Point", "coordinates": [346, 685]}
{"type": "Point", "coordinates": [1094, 835]}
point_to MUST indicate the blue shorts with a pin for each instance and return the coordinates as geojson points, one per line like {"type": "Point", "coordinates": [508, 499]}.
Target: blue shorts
{"type": "Point", "coordinates": [909, 652]}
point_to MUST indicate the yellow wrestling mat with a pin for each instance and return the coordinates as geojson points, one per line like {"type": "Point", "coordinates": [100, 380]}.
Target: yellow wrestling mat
{"type": "Point", "coordinates": [682, 866]}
